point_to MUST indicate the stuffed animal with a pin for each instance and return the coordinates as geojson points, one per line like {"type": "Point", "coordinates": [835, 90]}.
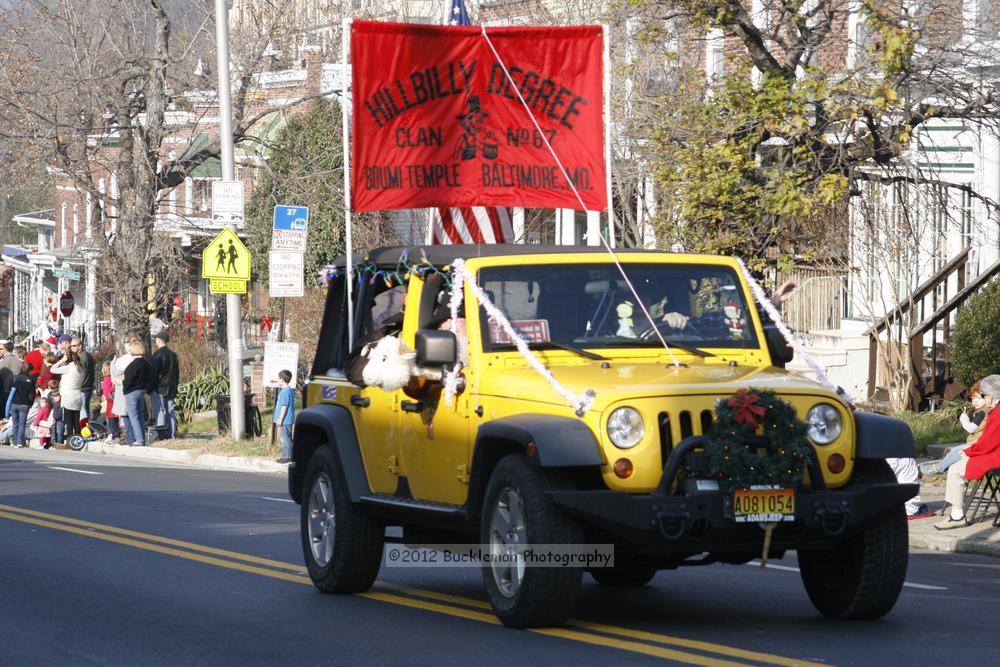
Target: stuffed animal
{"type": "Point", "coordinates": [624, 312]}
{"type": "Point", "coordinates": [390, 364]}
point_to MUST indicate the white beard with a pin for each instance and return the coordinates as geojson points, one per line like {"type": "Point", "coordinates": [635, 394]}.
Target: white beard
{"type": "Point", "coordinates": [389, 365]}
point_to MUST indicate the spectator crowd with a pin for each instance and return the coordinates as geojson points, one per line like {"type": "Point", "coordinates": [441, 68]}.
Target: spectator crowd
{"type": "Point", "coordinates": [53, 394]}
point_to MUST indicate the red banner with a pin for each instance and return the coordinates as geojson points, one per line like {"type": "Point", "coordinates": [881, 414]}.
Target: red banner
{"type": "Point", "coordinates": [438, 123]}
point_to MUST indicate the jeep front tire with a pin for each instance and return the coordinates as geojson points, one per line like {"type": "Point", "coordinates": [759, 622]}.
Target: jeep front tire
{"type": "Point", "coordinates": [863, 575]}
{"type": "Point", "coordinates": [517, 512]}
{"type": "Point", "coordinates": [342, 543]}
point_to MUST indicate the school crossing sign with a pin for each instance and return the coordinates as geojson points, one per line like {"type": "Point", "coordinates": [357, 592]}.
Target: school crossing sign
{"type": "Point", "coordinates": [225, 263]}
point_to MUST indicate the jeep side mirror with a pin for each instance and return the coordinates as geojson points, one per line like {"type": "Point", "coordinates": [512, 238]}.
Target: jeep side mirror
{"type": "Point", "coordinates": [436, 348]}
{"type": "Point", "coordinates": [781, 353]}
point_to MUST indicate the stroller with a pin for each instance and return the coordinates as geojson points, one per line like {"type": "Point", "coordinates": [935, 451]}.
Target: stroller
{"type": "Point", "coordinates": [93, 430]}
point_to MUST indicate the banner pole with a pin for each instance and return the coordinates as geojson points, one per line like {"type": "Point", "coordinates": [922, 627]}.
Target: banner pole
{"type": "Point", "coordinates": [345, 119]}
{"type": "Point", "coordinates": [606, 33]}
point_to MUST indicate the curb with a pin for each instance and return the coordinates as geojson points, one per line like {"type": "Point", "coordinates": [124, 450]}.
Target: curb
{"type": "Point", "coordinates": [190, 457]}
{"type": "Point", "coordinates": [948, 542]}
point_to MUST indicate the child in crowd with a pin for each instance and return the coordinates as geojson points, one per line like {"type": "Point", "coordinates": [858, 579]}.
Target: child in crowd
{"type": "Point", "coordinates": [46, 390]}
{"type": "Point", "coordinates": [284, 415]}
{"type": "Point", "coordinates": [108, 402]}
{"type": "Point", "coordinates": [43, 423]}
{"type": "Point", "coordinates": [5, 432]}
{"type": "Point", "coordinates": [972, 425]}
{"type": "Point", "coordinates": [58, 425]}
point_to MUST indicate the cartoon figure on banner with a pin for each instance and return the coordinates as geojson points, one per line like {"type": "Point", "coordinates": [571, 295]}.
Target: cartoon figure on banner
{"type": "Point", "coordinates": [473, 123]}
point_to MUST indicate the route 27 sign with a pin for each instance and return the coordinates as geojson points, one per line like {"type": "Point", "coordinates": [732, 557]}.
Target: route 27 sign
{"type": "Point", "coordinates": [291, 227]}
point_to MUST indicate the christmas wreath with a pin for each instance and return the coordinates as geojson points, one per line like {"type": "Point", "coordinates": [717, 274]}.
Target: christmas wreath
{"type": "Point", "coordinates": [779, 459]}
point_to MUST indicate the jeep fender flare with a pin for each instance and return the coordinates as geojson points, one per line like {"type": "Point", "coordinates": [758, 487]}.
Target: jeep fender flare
{"type": "Point", "coordinates": [881, 437]}
{"type": "Point", "coordinates": [327, 425]}
{"type": "Point", "coordinates": [549, 440]}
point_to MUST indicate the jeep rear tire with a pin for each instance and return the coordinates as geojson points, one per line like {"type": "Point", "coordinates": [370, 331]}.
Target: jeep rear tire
{"type": "Point", "coordinates": [623, 576]}
{"type": "Point", "coordinates": [516, 511]}
{"type": "Point", "coordinates": [342, 543]}
{"type": "Point", "coordinates": [863, 575]}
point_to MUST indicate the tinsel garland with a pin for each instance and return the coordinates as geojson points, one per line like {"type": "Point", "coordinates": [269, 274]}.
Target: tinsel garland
{"type": "Point", "coordinates": [751, 412]}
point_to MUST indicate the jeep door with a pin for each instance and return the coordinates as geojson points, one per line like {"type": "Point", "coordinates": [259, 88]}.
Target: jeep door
{"type": "Point", "coordinates": [434, 437]}
{"type": "Point", "coordinates": [375, 411]}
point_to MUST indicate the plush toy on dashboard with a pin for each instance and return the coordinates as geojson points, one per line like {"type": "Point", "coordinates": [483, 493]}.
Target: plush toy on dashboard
{"type": "Point", "coordinates": [624, 312]}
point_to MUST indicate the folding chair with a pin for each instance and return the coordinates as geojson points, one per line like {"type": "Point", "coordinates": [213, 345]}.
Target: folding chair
{"type": "Point", "coordinates": [984, 497]}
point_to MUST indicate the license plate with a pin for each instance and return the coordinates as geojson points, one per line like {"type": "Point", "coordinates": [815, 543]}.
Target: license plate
{"type": "Point", "coordinates": [763, 504]}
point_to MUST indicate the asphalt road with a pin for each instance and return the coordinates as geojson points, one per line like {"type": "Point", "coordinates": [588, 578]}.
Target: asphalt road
{"type": "Point", "coordinates": [122, 563]}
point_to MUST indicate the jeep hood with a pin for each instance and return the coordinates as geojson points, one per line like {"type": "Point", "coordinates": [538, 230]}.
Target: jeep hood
{"type": "Point", "coordinates": [628, 380]}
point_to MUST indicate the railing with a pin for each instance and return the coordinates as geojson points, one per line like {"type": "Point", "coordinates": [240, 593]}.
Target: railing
{"type": "Point", "coordinates": [818, 300]}
{"type": "Point", "coordinates": [933, 314]}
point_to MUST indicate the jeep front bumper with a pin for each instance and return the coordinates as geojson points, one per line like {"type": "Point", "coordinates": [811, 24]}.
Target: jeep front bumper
{"type": "Point", "coordinates": [703, 520]}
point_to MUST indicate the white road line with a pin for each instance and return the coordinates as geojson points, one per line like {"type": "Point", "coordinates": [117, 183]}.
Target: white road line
{"type": "Point", "coordinates": [82, 472]}
{"type": "Point", "coordinates": [907, 584]}
{"type": "Point", "coordinates": [925, 587]}
{"type": "Point", "coordinates": [278, 500]}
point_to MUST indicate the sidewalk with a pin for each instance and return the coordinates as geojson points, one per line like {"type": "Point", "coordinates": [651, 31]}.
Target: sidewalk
{"type": "Point", "coordinates": [979, 538]}
{"type": "Point", "coordinates": [189, 456]}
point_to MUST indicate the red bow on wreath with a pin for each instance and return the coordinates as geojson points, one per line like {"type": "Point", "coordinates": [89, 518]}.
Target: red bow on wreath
{"type": "Point", "coordinates": [747, 410]}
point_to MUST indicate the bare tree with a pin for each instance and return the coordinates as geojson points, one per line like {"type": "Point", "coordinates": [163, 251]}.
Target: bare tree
{"type": "Point", "coordinates": [779, 112]}
{"type": "Point", "coordinates": [104, 90]}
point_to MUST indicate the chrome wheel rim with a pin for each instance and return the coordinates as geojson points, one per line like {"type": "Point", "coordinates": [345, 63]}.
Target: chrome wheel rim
{"type": "Point", "coordinates": [322, 519]}
{"type": "Point", "coordinates": [508, 535]}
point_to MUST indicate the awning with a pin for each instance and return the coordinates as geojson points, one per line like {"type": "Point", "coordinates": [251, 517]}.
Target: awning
{"type": "Point", "coordinates": [210, 168]}
{"type": "Point", "coordinates": [259, 139]}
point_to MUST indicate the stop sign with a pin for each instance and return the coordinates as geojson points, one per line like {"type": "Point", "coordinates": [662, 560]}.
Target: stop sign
{"type": "Point", "coordinates": [66, 303]}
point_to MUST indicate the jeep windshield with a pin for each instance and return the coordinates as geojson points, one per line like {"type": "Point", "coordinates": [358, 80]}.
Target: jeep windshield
{"type": "Point", "coordinates": [590, 306]}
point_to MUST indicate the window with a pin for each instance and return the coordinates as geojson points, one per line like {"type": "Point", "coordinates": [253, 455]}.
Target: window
{"type": "Point", "coordinates": [589, 305]}
{"type": "Point", "coordinates": [715, 55]}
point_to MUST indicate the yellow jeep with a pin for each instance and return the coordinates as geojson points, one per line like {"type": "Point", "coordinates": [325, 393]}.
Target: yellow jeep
{"type": "Point", "coordinates": [508, 460]}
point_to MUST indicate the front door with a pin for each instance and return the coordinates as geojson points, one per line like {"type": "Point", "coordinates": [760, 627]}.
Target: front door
{"type": "Point", "coordinates": [434, 446]}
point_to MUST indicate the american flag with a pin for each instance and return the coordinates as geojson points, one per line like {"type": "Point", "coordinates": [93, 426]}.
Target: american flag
{"type": "Point", "coordinates": [476, 224]}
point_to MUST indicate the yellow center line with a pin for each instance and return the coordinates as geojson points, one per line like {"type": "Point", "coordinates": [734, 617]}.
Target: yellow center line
{"type": "Point", "coordinates": [235, 555]}
{"type": "Point", "coordinates": [154, 547]}
{"type": "Point", "coordinates": [596, 640]}
{"type": "Point", "coordinates": [643, 635]}
{"type": "Point", "coordinates": [577, 630]}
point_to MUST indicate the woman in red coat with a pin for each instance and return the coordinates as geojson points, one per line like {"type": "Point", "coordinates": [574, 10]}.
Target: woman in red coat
{"type": "Point", "coordinates": [977, 459]}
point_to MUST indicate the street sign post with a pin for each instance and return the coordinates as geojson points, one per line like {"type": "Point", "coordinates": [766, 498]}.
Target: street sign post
{"type": "Point", "coordinates": [225, 262]}
{"type": "Point", "coordinates": [286, 271]}
{"type": "Point", "coordinates": [279, 357]}
{"type": "Point", "coordinates": [291, 227]}
{"type": "Point", "coordinates": [69, 274]}
{"type": "Point", "coordinates": [227, 202]}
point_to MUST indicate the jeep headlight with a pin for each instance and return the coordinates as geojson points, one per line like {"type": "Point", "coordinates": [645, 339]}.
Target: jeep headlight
{"type": "Point", "coordinates": [824, 423]}
{"type": "Point", "coordinates": [625, 428]}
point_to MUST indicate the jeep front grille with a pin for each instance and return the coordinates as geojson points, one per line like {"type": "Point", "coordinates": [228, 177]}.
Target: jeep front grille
{"type": "Point", "coordinates": [686, 424]}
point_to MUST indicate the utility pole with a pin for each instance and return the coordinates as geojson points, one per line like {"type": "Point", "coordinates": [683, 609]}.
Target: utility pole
{"type": "Point", "coordinates": [234, 317]}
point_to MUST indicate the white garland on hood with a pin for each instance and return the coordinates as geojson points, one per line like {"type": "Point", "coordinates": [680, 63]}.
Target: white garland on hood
{"type": "Point", "coordinates": [460, 276]}
{"type": "Point", "coordinates": [787, 334]}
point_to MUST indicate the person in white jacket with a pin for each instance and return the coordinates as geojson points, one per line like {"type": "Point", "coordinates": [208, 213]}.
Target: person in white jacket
{"type": "Point", "coordinates": [118, 366]}
{"type": "Point", "coordinates": [70, 372]}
